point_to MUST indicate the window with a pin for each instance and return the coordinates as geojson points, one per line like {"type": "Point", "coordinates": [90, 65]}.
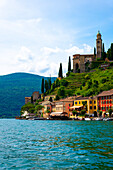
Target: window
{"type": "Point", "coordinates": [69, 104]}
{"type": "Point", "coordinates": [90, 107]}
{"type": "Point", "coordinates": [75, 102]}
{"type": "Point", "coordinates": [79, 102]}
{"type": "Point", "coordinates": [94, 107]}
{"type": "Point", "coordinates": [94, 102]}
{"type": "Point", "coordinates": [90, 102]}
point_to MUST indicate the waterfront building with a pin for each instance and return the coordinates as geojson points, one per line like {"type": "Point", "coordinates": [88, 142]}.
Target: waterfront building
{"type": "Point", "coordinates": [27, 100]}
{"type": "Point", "coordinates": [63, 105]}
{"type": "Point", "coordinates": [79, 61]}
{"type": "Point", "coordinates": [105, 101]}
{"type": "Point", "coordinates": [87, 103]}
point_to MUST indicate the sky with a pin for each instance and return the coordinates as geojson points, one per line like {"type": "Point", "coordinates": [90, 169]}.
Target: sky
{"type": "Point", "coordinates": [37, 35]}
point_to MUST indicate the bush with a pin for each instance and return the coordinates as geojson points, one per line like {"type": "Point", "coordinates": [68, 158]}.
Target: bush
{"type": "Point", "coordinates": [103, 80]}
{"type": "Point", "coordinates": [82, 112]}
{"type": "Point", "coordinates": [61, 91]}
{"type": "Point", "coordinates": [74, 112]}
{"type": "Point", "coordinates": [110, 112]}
{"type": "Point", "coordinates": [57, 97]}
{"type": "Point", "coordinates": [63, 82]}
{"type": "Point", "coordinates": [87, 77]}
{"type": "Point", "coordinates": [100, 113]}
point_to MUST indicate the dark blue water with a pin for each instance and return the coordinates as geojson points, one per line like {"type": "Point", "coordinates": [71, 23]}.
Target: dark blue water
{"type": "Point", "coordinates": [56, 145]}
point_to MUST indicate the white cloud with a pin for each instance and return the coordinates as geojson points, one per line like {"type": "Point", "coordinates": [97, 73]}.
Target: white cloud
{"type": "Point", "coordinates": [25, 55]}
{"type": "Point", "coordinates": [49, 51]}
{"type": "Point", "coordinates": [74, 50]}
{"type": "Point", "coordinates": [87, 48]}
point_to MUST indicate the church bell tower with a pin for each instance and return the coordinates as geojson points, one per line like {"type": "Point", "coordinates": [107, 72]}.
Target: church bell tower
{"type": "Point", "coordinates": [99, 45]}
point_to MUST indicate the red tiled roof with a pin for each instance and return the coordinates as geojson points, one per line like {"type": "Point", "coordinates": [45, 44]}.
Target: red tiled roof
{"type": "Point", "coordinates": [106, 93]}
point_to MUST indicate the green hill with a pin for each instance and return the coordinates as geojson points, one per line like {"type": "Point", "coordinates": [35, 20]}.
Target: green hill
{"type": "Point", "coordinates": [85, 84]}
{"type": "Point", "coordinates": [13, 90]}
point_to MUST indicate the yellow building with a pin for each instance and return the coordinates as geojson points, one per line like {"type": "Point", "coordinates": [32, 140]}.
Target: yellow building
{"type": "Point", "coordinates": [87, 103]}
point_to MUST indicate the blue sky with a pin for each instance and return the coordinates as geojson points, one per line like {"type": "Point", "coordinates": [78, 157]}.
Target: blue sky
{"type": "Point", "coordinates": [35, 36]}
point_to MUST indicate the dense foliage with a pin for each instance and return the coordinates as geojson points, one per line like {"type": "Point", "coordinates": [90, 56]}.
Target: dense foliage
{"type": "Point", "coordinates": [85, 84]}
{"type": "Point", "coordinates": [13, 90]}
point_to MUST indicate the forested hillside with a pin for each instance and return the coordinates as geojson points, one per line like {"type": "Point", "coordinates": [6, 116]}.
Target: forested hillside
{"type": "Point", "coordinates": [13, 90]}
{"type": "Point", "coordinates": [85, 84]}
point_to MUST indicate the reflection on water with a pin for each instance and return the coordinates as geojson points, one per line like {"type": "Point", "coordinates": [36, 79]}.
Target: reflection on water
{"type": "Point", "coordinates": [56, 144]}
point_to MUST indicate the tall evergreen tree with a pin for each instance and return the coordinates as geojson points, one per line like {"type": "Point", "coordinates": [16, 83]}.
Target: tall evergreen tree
{"type": "Point", "coordinates": [69, 64]}
{"type": "Point", "coordinates": [111, 51]}
{"type": "Point", "coordinates": [46, 85]}
{"type": "Point", "coordinates": [94, 52]}
{"type": "Point", "coordinates": [31, 99]}
{"type": "Point", "coordinates": [42, 86]}
{"type": "Point", "coordinates": [49, 82]}
{"type": "Point", "coordinates": [103, 52]}
{"type": "Point", "coordinates": [60, 73]}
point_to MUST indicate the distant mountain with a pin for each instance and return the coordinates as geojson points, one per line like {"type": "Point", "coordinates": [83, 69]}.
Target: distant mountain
{"type": "Point", "coordinates": [13, 90]}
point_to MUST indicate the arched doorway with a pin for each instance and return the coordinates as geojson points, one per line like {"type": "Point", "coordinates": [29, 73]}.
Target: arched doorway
{"type": "Point", "coordinates": [77, 67]}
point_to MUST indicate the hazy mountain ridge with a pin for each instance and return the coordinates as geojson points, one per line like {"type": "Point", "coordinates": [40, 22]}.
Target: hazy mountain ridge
{"type": "Point", "coordinates": [13, 90]}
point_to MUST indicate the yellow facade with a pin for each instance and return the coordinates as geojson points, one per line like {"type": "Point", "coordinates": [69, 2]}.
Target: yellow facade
{"type": "Point", "coordinates": [90, 104]}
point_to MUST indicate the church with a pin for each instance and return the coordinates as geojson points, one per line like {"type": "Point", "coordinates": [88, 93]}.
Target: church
{"type": "Point", "coordinates": [79, 61]}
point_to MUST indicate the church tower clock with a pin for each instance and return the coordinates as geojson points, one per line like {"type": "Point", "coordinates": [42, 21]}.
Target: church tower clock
{"type": "Point", "coordinates": [99, 45]}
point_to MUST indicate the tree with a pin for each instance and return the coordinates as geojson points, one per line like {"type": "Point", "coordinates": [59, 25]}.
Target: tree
{"type": "Point", "coordinates": [57, 97]}
{"type": "Point", "coordinates": [83, 112]}
{"type": "Point", "coordinates": [69, 64]}
{"type": "Point", "coordinates": [42, 86]}
{"type": "Point", "coordinates": [27, 107]}
{"type": "Point", "coordinates": [61, 91]}
{"type": "Point", "coordinates": [103, 52]}
{"type": "Point", "coordinates": [111, 51]}
{"type": "Point", "coordinates": [57, 83]}
{"type": "Point", "coordinates": [49, 82]}
{"type": "Point", "coordinates": [100, 113]}
{"type": "Point", "coordinates": [110, 112]}
{"type": "Point", "coordinates": [31, 99]}
{"type": "Point", "coordinates": [46, 85]}
{"type": "Point", "coordinates": [63, 82]}
{"type": "Point", "coordinates": [50, 99]}
{"type": "Point", "coordinates": [94, 52]}
{"type": "Point", "coordinates": [39, 107]}
{"type": "Point", "coordinates": [74, 112]}
{"type": "Point", "coordinates": [60, 74]}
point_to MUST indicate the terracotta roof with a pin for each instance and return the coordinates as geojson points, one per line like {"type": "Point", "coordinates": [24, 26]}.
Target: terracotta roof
{"type": "Point", "coordinates": [27, 97]}
{"type": "Point", "coordinates": [83, 55]}
{"type": "Point", "coordinates": [85, 98]}
{"type": "Point", "coordinates": [106, 93]}
{"type": "Point", "coordinates": [68, 99]}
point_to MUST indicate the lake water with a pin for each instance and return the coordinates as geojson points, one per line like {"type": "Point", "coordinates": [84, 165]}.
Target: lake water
{"type": "Point", "coordinates": [55, 145]}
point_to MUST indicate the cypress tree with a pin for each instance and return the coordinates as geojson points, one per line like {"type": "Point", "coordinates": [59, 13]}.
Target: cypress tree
{"type": "Point", "coordinates": [49, 82]}
{"type": "Point", "coordinates": [61, 72]}
{"type": "Point", "coordinates": [111, 51]}
{"type": "Point", "coordinates": [103, 52]}
{"type": "Point", "coordinates": [69, 64]}
{"type": "Point", "coordinates": [46, 85]}
{"type": "Point", "coordinates": [42, 86]}
{"type": "Point", "coordinates": [94, 51]}
{"type": "Point", "coordinates": [31, 99]}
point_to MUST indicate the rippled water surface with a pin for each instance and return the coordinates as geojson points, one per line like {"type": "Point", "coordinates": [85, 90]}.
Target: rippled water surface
{"type": "Point", "coordinates": [55, 144]}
